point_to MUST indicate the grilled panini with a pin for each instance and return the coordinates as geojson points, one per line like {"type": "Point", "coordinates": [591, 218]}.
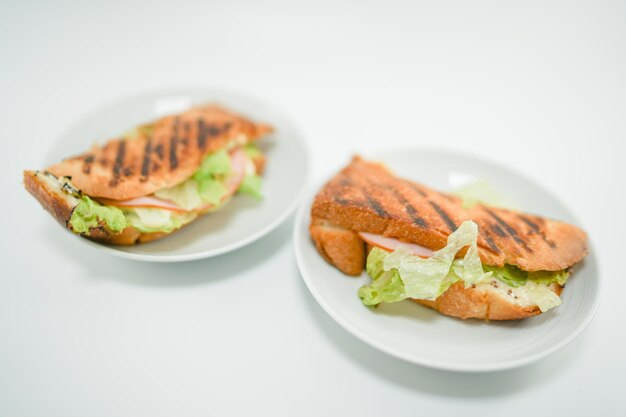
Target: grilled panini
{"type": "Point", "coordinates": [365, 205]}
{"type": "Point", "coordinates": [154, 179]}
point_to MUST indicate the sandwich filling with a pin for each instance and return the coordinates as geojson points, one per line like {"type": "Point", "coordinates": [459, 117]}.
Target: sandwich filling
{"type": "Point", "coordinates": [400, 271]}
{"type": "Point", "coordinates": [219, 177]}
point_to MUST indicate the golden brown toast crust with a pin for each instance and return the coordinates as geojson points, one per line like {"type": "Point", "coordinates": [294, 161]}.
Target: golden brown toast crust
{"type": "Point", "coordinates": [159, 156]}
{"type": "Point", "coordinates": [471, 303]}
{"type": "Point", "coordinates": [340, 247]}
{"type": "Point", "coordinates": [49, 198]}
{"type": "Point", "coordinates": [61, 208]}
{"type": "Point", "coordinates": [259, 163]}
{"type": "Point", "coordinates": [366, 197]}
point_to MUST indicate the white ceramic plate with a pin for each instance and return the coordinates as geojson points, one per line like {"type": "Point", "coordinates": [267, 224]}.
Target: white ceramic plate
{"type": "Point", "coordinates": [243, 219]}
{"type": "Point", "coordinates": [417, 334]}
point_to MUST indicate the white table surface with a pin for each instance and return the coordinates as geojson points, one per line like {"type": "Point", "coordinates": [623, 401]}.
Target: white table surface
{"type": "Point", "coordinates": [540, 86]}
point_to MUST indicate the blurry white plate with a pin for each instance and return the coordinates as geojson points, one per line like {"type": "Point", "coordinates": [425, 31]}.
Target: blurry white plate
{"type": "Point", "coordinates": [420, 335]}
{"type": "Point", "coordinates": [239, 222]}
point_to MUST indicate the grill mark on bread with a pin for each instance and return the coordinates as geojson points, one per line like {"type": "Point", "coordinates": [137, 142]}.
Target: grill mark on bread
{"type": "Point", "coordinates": [375, 205]}
{"type": "Point", "coordinates": [173, 146]}
{"type": "Point", "coordinates": [87, 163]}
{"type": "Point", "coordinates": [497, 229]}
{"type": "Point", "coordinates": [185, 139]}
{"type": "Point", "coordinates": [535, 228]}
{"type": "Point", "coordinates": [209, 131]}
{"type": "Point", "coordinates": [492, 245]}
{"type": "Point", "coordinates": [119, 161]}
{"type": "Point", "coordinates": [173, 158]}
{"type": "Point", "coordinates": [202, 134]}
{"type": "Point", "coordinates": [350, 202]}
{"type": "Point", "coordinates": [444, 216]}
{"type": "Point", "coordinates": [159, 151]}
{"type": "Point", "coordinates": [408, 207]}
{"type": "Point", "coordinates": [145, 164]}
{"type": "Point", "coordinates": [345, 182]}
{"type": "Point", "coordinates": [213, 131]}
{"type": "Point", "coordinates": [386, 189]}
{"type": "Point", "coordinates": [509, 230]}
{"type": "Point", "coordinates": [416, 188]}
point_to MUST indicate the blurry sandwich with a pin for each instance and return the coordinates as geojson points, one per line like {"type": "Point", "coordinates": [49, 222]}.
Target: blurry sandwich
{"type": "Point", "coordinates": [154, 179]}
{"type": "Point", "coordinates": [419, 244]}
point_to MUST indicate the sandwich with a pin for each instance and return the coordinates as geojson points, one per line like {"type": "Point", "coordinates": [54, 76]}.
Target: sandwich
{"type": "Point", "coordinates": [155, 178]}
{"type": "Point", "coordinates": [463, 260]}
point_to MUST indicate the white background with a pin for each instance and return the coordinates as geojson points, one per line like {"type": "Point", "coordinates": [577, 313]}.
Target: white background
{"type": "Point", "coordinates": [539, 86]}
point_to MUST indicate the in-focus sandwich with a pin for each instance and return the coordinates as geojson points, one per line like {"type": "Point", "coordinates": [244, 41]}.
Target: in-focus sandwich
{"type": "Point", "coordinates": [154, 179]}
{"type": "Point", "coordinates": [419, 244]}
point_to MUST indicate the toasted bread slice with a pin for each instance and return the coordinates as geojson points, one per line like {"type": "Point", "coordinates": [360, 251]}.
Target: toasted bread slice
{"type": "Point", "coordinates": [366, 197]}
{"type": "Point", "coordinates": [158, 155]}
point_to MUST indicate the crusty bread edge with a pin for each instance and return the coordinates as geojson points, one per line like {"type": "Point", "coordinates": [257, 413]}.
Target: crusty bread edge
{"type": "Point", "coordinates": [61, 207]}
{"type": "Point", "coordinates": [341, 247]}
{"type": "Point", "coordinates": [473, 303]}
{"type": "Point", "coordinates": [51, 199]}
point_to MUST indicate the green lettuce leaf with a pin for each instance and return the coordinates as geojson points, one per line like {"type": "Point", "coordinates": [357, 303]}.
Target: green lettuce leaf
{"type": "Point", "coordinates": [251, 184]}
{"type": "Point", "coordinates": [205, 186]}
{"type": "Point", "coordinates": [509, 274]}
{"type": "Point", "coordinates": [89, 213]}
{"type": "Point", "coordinates": [214, 165]}
{"type": "Point", "coordinates": [387, 287]}
{"type": "Point", "coordinates": [185, 195]}
{"type": "Point", "coordinates": [212, 191]}
{"type": "Point", "coordinates": [515, 277]}
{"type": "Point", "coordinates": [425, 279]}
{"type": "Point", "coordinates": [374, 263]}
{"type": "Point", "coordinates": [192, 194]}
{"type": "Point", "coordinates": [549, 277]}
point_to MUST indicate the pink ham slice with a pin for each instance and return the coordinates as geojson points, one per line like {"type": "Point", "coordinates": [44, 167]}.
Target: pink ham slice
{"type": "Point", "coordinates": [390, 244]}
{"type": "Point", "coordinates": [238, 161]}
{"type": "Point", "coordinates": [149, 202]}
